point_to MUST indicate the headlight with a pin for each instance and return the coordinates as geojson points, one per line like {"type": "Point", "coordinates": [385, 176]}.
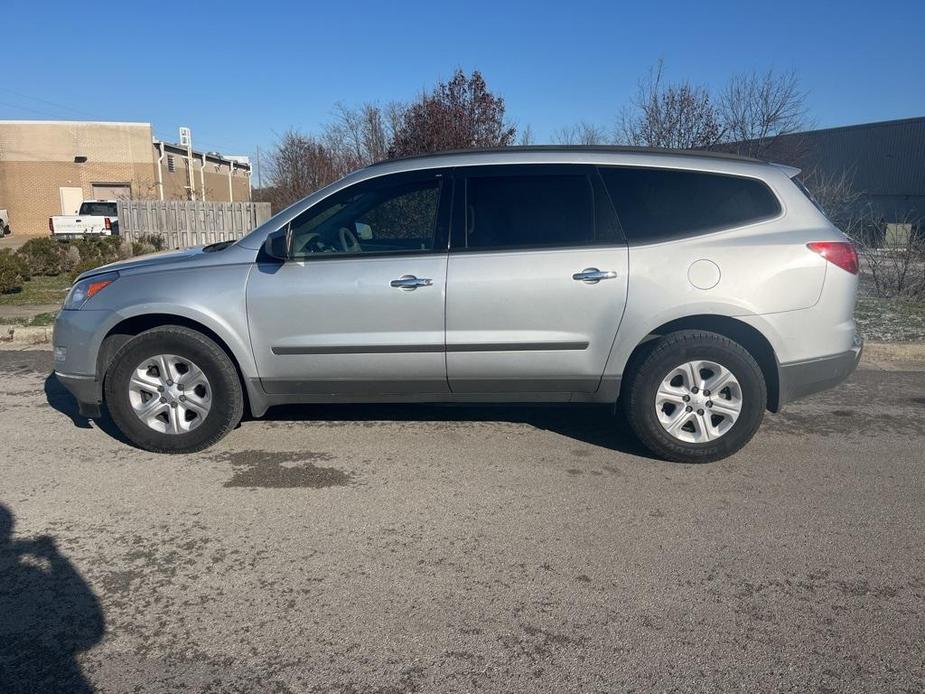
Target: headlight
{"type": "Point", "coordinates": [86, 289]}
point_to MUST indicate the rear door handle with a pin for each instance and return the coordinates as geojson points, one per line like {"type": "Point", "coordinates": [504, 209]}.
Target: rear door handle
{"type": "Point", "coordinates": [410, 282]}
{"type": "Point", "coordinates": [592, 275]}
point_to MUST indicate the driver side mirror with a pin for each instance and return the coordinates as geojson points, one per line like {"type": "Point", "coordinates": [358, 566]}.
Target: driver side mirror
{"type": "Point", "coordinates": [277, 245]}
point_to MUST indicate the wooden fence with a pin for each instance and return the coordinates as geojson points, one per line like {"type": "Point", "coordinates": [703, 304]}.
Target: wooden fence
{"type": "Point", "coordinates": [183, 224]}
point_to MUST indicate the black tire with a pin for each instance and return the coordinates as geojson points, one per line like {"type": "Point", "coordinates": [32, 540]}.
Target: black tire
{"type": "Point", "coordinates": [227, 396]}
{"type": "Point", "coordinates": [646, 375]}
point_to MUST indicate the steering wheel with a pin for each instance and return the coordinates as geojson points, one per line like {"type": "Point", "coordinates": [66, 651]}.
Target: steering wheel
{"type": "Point", "coordinates": [348, 240]}
{"type": "Point", "coordinates": [306, 242]}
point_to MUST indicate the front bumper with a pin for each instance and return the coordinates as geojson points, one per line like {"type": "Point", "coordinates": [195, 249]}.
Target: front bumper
{"type": "Point", "coordinates": [800, 379]}
{"type": "Point", "coordinates": [86, 389]}
{"type": "Point", "coordinates": [77, 339]}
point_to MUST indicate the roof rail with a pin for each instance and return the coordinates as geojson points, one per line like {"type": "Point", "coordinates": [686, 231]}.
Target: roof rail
{"type": "Point", "coordinates": [605, 149]}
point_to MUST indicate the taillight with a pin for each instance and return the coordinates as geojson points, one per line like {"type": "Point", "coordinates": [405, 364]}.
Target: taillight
{"type": "Point", "coordinates": [841, 253]}
{"type": "Point", "coordinates": [51, 226]}
{"type": "Point", "coordinates": [107, 223]}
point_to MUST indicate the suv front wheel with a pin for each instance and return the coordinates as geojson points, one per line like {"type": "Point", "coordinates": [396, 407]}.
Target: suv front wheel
{"type": "Point", "coordinates": [695, 397]}
{"type": "Point", "coordinates": [173, 390]}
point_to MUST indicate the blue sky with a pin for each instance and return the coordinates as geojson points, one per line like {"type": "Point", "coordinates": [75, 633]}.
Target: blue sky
{"type": "Point", "coordinates": [238, 74]}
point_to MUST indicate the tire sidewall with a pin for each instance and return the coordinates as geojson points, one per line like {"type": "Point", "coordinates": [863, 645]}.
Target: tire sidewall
{"type": "Point", "coordinates": [226, 406]}
{"type": "Point", "coordinates": [659, 364]}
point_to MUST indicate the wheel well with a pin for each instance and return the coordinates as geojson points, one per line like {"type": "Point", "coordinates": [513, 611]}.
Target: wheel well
{"type": "Point", "coordinates": [750, 338]}
{"type": "Point", "coordinates": [130, 327]}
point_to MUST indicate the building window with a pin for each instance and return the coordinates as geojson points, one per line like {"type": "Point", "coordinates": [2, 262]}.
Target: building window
{"type": "Point", "coordinates": [171, 164]}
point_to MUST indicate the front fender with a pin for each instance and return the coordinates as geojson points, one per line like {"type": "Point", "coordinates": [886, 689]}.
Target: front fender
{"type": "Point", "coordinates": [229, 331]}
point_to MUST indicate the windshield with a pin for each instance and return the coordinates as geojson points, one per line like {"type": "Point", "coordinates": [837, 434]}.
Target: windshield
{"type": "Point", "coordinates": [98, 209]}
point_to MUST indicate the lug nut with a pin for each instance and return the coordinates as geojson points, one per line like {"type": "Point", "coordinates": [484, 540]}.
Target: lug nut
{"type": "Point", "coordinates": [687, 398]}
{"type": "Point", "coordinates": [706, 392]}
{"type": "Point", "coordinates": [689, 408]}
{"type": "Point", "coordinates": [169, 382]}
{"type": "Point", "coordinates": [709, 403]}
{"type": "Point", "coordinates": [179, 386]}
{"type": "Point", "coordinates": [173, 403]}
{"type": "Point", "coordinates": [699, 411]}
{"type": "Point", "coordinates": [163, 399]}
{"type": "Point", "coordinates": [160, 389]}
{"type": "Point", "coordinates": [182, 398]}
{"type": "Point", "coordinates": [693, 390]}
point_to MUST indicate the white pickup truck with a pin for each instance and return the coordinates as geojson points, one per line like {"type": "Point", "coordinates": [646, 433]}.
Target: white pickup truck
{"type": "Point", "coordinates": [94, 218]}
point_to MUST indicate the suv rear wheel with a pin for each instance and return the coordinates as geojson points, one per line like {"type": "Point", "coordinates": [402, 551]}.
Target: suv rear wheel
{"type": "Point", "coordinates": [695, 397]}
{"type": "Point", "coordinates": [173, 390]}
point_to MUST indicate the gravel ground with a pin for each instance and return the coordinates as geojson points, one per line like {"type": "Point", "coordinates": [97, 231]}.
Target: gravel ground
{"type": "Point", "coordinates": [422, 549]}
{"type": "Point", "coordinates": [891, 320]}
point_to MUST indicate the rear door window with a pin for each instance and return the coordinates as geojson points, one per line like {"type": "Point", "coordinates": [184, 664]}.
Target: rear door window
{"type": "Point", "coordinates": [662, 204]}
{"type": "Point", "coordinates": [529, 207]}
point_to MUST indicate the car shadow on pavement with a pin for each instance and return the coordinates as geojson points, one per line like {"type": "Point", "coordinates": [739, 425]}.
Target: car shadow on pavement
{"type": "Point", "coordinates": [61, 400]}
{"type": "Point", "coordinates": [595, 425]}
{"type": "Point", "coordinates": [48, 615]}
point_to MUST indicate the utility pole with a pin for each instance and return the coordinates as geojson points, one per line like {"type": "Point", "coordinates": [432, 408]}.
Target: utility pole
{"type": "Point", "coordinates": [186, 138]}
{"type": "Point", "coordinates": [259, 181]}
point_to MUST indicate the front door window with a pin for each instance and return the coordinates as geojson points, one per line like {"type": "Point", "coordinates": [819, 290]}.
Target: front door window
{"type": "Point", "coordinates": [392, 216]}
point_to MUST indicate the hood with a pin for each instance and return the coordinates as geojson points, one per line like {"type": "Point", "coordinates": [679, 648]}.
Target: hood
{"type": "Point", "coordinates": [172, 260]}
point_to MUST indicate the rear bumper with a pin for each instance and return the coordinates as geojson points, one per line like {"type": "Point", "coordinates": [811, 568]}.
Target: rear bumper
{"type": "Point", "coordinates": [86, 389]}
{"type": "Point", "coordinates": [803, 378]}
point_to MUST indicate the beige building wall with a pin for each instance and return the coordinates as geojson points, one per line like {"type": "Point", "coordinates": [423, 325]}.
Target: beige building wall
{"type": "Point", "coordinates": [45, 165]}
{"type": "Point", "coordinates": [38, 158]}
{"type": "Point", "coordinates": [215, 178]}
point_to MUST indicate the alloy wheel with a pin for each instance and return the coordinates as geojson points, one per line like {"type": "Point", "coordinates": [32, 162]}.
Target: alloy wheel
{"type": "Point", "coordinates": [170, 394]}
{"type": "Point", "coordinates": [698, 401]}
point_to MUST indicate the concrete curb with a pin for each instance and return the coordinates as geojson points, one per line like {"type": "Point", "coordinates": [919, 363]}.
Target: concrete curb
{"type": "Point", "coordinates": [875, 352]}
{"type": "Point", "coordinates": [18, 336]}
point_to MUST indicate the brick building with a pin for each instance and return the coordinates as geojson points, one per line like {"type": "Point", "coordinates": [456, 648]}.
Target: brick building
{"type": "Point", "coordinates": [50, 167]}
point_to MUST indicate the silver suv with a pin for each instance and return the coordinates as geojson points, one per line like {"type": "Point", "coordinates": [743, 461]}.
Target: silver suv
{"type": "Point", "coordinates": [696, 289]}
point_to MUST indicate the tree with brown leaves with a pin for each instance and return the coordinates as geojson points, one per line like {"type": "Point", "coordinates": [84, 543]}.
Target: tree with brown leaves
{"type": "Point", "coordinates": [458, 114]}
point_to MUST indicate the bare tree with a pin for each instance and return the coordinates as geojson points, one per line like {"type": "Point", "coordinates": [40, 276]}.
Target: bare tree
{"type": "Point", "coordinates": [679, 115]}
{"type": "Point", "coordinates": [297, 166]}
{"type": "Point", "coordinates": [526, 136]}
{"type": "Point", "coordinates": [893, 256]}
{"type": "Point", "coordinates": [582, 133]}
{"type": "Point", "coordinates": [458, 114]}
{"type": "Point", "coordinates": [892, 253]}
{"type": "Point", "coordinates": [757, 109]}
{"type": "Point", "coordinates": [362, 135]}
{"type": "Point", "coordinates": [836, 195]}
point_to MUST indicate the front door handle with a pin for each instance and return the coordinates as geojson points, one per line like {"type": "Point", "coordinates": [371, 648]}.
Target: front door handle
{"type": "Point", "coordinates": [591, 275]}
{"type": "Point", "coordinates": [410, 282]}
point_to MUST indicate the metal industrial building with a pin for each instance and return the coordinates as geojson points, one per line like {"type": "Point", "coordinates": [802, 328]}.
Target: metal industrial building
{"type": "Point", "coordinates": [884, 162]}
{"type": "Point", "coordinates": [50, 167]}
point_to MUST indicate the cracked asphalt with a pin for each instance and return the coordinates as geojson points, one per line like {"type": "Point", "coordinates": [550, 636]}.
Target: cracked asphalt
{"type": "Point", "coordinates": [461, 549]}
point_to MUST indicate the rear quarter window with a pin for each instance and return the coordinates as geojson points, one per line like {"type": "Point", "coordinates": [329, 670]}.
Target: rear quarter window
{"type": "Point", "coordinates": [662, 204]}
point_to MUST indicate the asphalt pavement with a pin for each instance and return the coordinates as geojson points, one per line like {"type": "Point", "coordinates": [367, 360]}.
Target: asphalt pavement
{"type": "Point", "coordinates": [460, 549]}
